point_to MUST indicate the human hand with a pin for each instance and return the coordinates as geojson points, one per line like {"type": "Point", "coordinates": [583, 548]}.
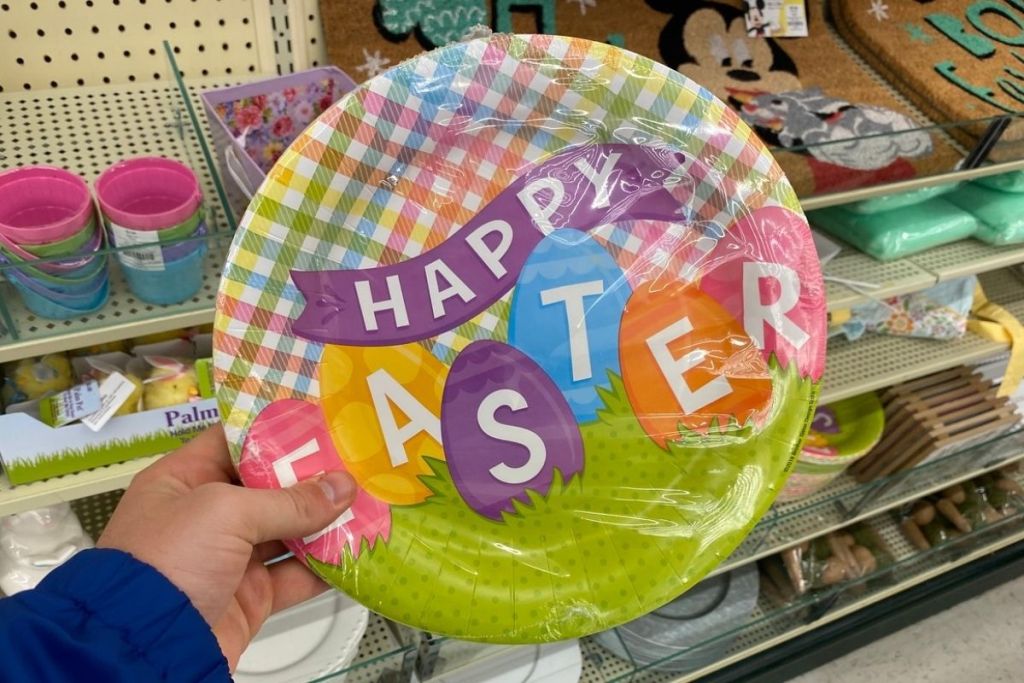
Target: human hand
{"type": "Point", "coordinates": [185, 517]}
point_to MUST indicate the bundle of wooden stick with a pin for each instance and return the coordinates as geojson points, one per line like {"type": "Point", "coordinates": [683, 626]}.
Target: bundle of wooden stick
{"type": "Point", "coordinates": [933, 416]}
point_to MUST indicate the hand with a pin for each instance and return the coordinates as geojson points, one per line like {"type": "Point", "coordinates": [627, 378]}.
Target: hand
{"type": "Point", "coordinates": [183, 516]}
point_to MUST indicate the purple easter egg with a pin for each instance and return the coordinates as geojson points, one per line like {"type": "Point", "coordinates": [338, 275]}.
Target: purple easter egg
{"type": "Point", "coordinates": [505, 427]}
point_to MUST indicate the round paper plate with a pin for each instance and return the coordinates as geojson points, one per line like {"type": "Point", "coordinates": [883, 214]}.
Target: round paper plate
{"type": "Point", "coordinates": [841, 433]}
{"type": "Point", "coordinates": [557, 311]}
{"type": "Point", "coordinates": [844, 430]}
{"type": "Point", "coordinates": [688, 633]}
{"type": "Point", "coordinates": [317, 638]}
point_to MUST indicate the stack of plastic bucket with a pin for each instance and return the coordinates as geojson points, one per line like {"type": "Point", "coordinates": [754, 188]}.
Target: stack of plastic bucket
{"type": "Point", "coordinates": [50, 235]}
{"type": "Point", "coordinates": [151, 205]}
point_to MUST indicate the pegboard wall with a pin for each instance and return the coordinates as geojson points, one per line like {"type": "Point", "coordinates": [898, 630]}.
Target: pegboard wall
{"type": "Point", "coordinates": [69, 43]}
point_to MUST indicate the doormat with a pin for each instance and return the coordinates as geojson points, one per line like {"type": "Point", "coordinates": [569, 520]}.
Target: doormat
{"type": "Point", "coordinates": [831, 124]}
{"type": "Point", "coordinates": [958, 61]}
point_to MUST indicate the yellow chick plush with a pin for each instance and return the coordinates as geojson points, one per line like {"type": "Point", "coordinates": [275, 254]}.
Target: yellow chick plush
{"type": "Point", "coordinates": [170, 387]}
{"type": "Point", "coordinates": [36, 378]}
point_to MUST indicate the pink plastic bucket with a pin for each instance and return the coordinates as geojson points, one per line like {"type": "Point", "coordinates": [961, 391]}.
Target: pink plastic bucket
{"type": "Point", "coordinates": [41, 204]}
{"type": "Point", "coordinates": [148, 193]}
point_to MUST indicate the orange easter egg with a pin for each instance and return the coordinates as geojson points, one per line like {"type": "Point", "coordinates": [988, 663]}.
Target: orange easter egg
{"type": "Point", "coordinates": [686, 362]}
{"type": "Point", "coordinates": [382, 405]}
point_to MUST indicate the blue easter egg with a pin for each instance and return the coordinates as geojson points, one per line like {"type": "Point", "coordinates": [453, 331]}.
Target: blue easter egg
{"type": "Point", "coordinates": [566, 309]}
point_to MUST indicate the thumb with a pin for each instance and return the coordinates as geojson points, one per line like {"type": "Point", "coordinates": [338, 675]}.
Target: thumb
{"type": "Point", "coordinates": [296, 511]}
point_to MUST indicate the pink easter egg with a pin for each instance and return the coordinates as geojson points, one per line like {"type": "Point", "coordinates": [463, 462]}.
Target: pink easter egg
{"type": "Point", "coordinates": [765, 272]}
{"type": "Point", "coordinates": [288, 443]}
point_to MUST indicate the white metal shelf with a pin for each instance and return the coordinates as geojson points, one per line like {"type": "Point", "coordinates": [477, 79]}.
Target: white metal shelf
{"type": "Point", "coordinates": [914, 273]}
{"type": "Point", "coordinates": [848, 196]}
{"type": "Point", "coordinates": [877, 361]}
{"type": "Point", "coordinates": [69, 487]}
{"type": "Point", "coordinates": [86, 130]}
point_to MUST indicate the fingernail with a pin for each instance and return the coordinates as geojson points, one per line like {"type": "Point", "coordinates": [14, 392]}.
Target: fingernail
{"type": "Point", "coordinates": [337, 486]}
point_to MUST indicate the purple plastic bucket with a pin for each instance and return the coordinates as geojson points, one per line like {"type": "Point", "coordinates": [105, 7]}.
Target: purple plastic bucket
{"type": "Point", "coordinates": [72, 262]}
{"type": "Point", "coordinates": [42, 204]}
{"type": "Point", "coordinates": [148, 193]}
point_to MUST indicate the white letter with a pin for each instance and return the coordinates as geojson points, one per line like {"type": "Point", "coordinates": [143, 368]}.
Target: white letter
{"type": "Point", "coordinates": [284, 470]}
{"type": "Point", "coordinates": [384, 387]}
{"type": "Point", "coordinates": [542, 214]}
{"type": "Point", "coordinates": [491, 257]}
{"type": "Point", "coordinates": [579, 346]}
{"type": "Point", "coordinates": [674, 368]}
{"type": "Point", "coordinates": [456, 287]}
{"type": "Point", "coordinates": [756, 314]}
{"type": "Point", "coordinates": [599, 179]}
{"type": "Point", "coordinates": [395, 303]}
{"type": "Point", "coordinates": [538, 452]}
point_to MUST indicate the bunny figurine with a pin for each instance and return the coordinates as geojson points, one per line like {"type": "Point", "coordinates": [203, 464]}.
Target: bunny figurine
{"type": "Point", "coordinates": [34, 543]}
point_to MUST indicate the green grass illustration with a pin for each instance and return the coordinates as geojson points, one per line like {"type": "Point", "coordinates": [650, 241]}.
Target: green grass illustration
{"type": "Point", "coordinates": [78, 459]}
{"type": "Point", "coordinates": [633, 531]}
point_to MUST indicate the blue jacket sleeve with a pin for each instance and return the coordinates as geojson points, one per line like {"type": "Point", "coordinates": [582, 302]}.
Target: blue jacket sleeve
{"type": "Point", "coordinates": [105, 616]}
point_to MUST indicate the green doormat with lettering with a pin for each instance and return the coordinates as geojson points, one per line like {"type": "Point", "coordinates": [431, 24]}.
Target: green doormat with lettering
{"type": "Point", "coordinates": [958, 60]}
{"type": "Point", "coordinates": [831, 123]}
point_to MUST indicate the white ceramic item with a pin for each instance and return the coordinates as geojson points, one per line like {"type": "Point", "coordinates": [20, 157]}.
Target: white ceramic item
{"type": "Point", "coordinates": [317, 638]}
{"type": "Point", "coordinates": [34, 543]}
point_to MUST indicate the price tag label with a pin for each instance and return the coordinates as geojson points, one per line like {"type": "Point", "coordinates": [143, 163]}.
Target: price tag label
{"type": "Point", "coordinates": [114, 391]}
{"type": "Point", "coordinates": [776, 18]}
{"type": "Point", "coordinates": [144, 257]}
{"type": "Point", "coordinates": [74, 404]}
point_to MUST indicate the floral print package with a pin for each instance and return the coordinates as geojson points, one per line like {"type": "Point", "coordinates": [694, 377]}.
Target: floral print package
{"type": "Point", "coordinates": [265, 124]}
{"type": "Point", "coordinates": [939, 312]}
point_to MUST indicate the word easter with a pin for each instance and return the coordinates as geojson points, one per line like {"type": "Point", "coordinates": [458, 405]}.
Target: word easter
{"type": "Point", "coordinates": [687, 337]}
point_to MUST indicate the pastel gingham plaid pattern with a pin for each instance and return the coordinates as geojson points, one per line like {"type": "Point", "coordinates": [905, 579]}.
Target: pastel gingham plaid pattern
{"type": "Point", "coordinates": [405, 160]}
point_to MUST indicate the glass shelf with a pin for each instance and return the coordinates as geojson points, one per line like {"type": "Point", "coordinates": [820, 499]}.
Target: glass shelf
{"type": "Point", "coordinates": [846, 501]}
{"type": "Point", "coordinates": [771, 624]}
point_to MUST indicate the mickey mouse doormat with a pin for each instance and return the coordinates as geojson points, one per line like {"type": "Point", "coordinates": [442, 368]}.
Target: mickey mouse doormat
{"type": "Point", "coordinates": [806, 97]}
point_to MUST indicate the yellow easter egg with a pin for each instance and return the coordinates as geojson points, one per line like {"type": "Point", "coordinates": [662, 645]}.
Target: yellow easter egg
{"type": "Point", "coordinates": [382, 406]}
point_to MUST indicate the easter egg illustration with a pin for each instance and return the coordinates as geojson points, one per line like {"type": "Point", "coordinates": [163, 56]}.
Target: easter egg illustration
{"type": "Point", "coordinates": [538, 292]}
{"type": "Point", "coordinates": [382, 406]}
{"type": "Point", "coordinates": [506, 428]}
{"type": "Point", "coordinates": [781, 311]}
{"type": "Point", "coordinates": [289, 443]}
{"type": "Point", "coordinates": [687, 362]}
{"type": "Point", "coordinates": [565, 315]}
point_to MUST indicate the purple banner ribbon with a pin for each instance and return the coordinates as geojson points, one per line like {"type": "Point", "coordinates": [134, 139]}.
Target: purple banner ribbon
{"type": "Point", "coordinates": [582, 188]}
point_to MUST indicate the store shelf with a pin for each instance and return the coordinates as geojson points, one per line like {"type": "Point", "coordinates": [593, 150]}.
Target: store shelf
{"type": "Point", "coordinates": [967, 257]}
{"type": "Point", "coordinates": [769, 626]}
{"type": "Point", "coordinates": [912, 274]}
{"type": "Point", "coordinates": [889, 278]}
{"type": "Point", "coordinates": [837, 198]}
{"type": "Point", "coordinates": [846, 500]}
{"type": "Point", "coordinates": [381, 653]}
{"type": "Point", "coordinates": [877, 361]}
{"type": "Point", "coordinates": [69, 487]}
{"type": "Point", "coordinates": [86, 130]}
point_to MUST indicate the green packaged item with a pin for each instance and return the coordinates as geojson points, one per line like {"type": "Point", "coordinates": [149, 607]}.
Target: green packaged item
{"type": "Point", "coordinates": [898, 233]}
{"type": "Point", "coordinates": [1000, 214]}
{"type": "Point", "coordinates": [1004, 182]}
{"type": "Point", "coordinates": [891, 202]}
